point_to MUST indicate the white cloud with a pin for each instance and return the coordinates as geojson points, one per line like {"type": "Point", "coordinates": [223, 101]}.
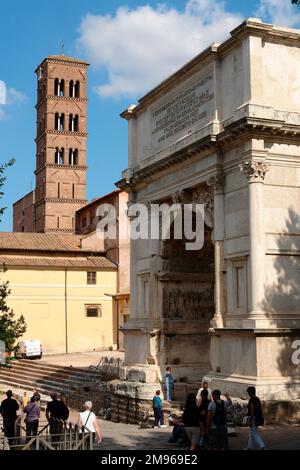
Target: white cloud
{"type": "Point", "coordinates": [9, 96]}
{"type": "Point", "coordinates": [138, 48]}
{"type": "Point", "coordinates": [2, 92]}
{"type": "Point", "coordinates": [15, 96]}
{"type": "Point", "coordinates": [279, 12]}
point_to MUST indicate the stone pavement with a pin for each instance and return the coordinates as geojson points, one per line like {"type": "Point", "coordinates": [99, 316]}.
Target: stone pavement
{"type": "Point", "coordinates": [131, 437]}
{"type": "Point", "coordinates": [80, 359]}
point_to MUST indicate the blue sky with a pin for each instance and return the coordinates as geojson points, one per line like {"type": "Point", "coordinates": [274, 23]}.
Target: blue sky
{"type": "Point", "coordinates": [130, 50]}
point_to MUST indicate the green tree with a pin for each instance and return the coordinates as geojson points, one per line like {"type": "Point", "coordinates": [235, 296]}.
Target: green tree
{"type": "Point", "coordinates": [3, 167]}
{"type": "Point", "coordinates": [296, 2]}
{"type": "Point", "coordinates": [10, 328]}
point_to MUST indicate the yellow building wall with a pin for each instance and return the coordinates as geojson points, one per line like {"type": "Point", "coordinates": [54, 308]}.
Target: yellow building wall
{"type": "Point", "coordinates": [39, 294]}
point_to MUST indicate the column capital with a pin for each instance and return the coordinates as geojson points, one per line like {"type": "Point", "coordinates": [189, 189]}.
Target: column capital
{"type": "Point", "coordinates": [255, 171]}
{"type": "Point", "coordinates": [217, 182]}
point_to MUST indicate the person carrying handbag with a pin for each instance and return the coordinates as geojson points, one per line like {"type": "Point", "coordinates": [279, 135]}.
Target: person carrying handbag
{"type": "Point", "coordinates": [32, 411]}
{"type": "Point", "coordinates": [254, 420]}
{"type": "Point", "coordinates": [87, 422]}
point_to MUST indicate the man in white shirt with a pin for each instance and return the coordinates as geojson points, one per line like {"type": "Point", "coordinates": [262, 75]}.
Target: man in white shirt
{"type": "Point", "coordinates": [204, 387]}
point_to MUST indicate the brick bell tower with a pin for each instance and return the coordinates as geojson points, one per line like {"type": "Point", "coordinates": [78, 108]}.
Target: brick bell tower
{"type": "Point", "coordinates": [60, 143]}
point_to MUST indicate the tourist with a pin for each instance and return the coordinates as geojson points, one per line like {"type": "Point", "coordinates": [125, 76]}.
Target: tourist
{"type": "Point", "coordinates": [62, 398]}
{"type": "Point", "coordinates": [8, 410]}
{"type": "Point", "coordinates": [37, 396]}
{"type": "Point", "coordinates": [158, 412]}
{"type": "Point", "coordinates": [191, 421]}
{"type": "Point", "coordinates": [32, 411]}
{"type": "Point", "coordinates": [204, 387]}
{"type": "Point", "coordinates": [169, 383]}
{"type": "Point", "coordinates": [178, 434]}
{"type": "Point", "coordinates": [216, 423]}
{"type": "Point", "coordinates": [256, 419]}
{"type": "Point", "coordinates": [24, 401]}
{"type": "Point", "coordinates": [87, 423]}
{"type": "Point", "coordinates": [56, 413]}
{"type": "Point", "coordinates": [203, 408]}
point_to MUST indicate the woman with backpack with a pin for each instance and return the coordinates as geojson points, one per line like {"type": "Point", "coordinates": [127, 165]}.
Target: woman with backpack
{"type": "Point", "coordinates": [256, 419]}
{"type": "Point", "coordinates": [216, 423]}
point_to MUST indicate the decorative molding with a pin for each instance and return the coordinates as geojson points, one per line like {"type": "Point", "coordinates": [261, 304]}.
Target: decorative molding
{"type": "Point", "coordinates": [67, 133]}
{"type": "Point", "coordinates": [60, 200]}
{"type": "Point", "coordinates": [59, 98]}
{"type": "Point", "coordinates": [61, 167]}
{"type": "Point", "coordinates": [204, 194]}
{"type": "Point", "coordinates": [255, 171]}
{"type": "Point", "coordinates": [233, 134]}
{"type": "Point", "coordinates": [180, 197]}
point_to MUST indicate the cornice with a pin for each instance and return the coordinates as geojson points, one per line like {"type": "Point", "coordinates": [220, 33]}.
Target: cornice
{"type": "Point", "coordinates": [60, 200]}
{"type": "Point", "coordinates": [72, 63]}
{"type": "Point", "coordinates": [67, 133]}
{"type": "Point", "coordinates": [61, 167]}
{"type": "Point", "coordinates": [250, 27]}
{"type": "Point", "coordinates": [58, 230]}
{"type": "Point", "coordinates": [60, 98]}
{"type": "Point", "coordinates": [235, 133]}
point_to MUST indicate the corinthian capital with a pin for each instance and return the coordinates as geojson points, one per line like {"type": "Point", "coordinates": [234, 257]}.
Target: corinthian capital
{"type": "Point", "coordinates": [255, 171]}
{"type": "Point", "coordinates": [217, 182]}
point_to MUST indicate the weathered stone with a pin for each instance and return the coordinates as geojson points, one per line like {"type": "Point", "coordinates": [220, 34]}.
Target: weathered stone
{"type": "Point", "coordinates": [222, 131]}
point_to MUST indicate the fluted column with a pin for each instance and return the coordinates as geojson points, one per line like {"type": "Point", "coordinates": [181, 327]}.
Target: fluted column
{"type": "Point", "coordinates": [255, 172]}
{"type": "Point", "coordinates": [218, 184]}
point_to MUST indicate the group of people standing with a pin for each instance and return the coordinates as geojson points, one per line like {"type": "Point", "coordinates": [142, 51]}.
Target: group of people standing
{"type": "Point", "coordinates": [57, 414]}
{"type": "Point", "coordinates": [203, 423]}
{"type": "Point", "coordinates": [9, 410]}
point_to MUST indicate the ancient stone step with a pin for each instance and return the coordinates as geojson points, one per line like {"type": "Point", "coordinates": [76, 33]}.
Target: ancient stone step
{"type": "Point", "coordinates": [46, 378]}
{"type": "Point", "coordinates": [36, 375]}
{"type": "Point", "coordinates": [35, 364]}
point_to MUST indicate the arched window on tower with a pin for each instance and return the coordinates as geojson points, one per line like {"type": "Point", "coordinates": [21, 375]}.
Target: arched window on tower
{"type": "Point", "coordinates": [77, 89]}
{"type": "Point", "coordinates": [59, 156]}
{"type": "Point", "coordinates": [59, 87]}
{"type": "Point", "coordinates": [62, 88]}
{"type": "Point", "coordinates": [59, 121]}
{"type": "Point", "coordinates": [72, 89]}
{"type": "Point", "coordinates": [73, 157]}
{"type": "Point", "coordinates": [71, 123]}
{"type": "Point", "coordinates": [76, 122]}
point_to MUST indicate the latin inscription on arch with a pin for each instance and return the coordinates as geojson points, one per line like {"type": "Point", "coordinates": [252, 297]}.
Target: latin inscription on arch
{"type": "Point", "coordinates": [183, 111]}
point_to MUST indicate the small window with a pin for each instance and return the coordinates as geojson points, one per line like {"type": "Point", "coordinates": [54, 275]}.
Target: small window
{"type": "Point", "coordinates": [74, 89]}
{"type": "Point", "coordinates": [93, 311]}
{"type": "Point", "coordinates": [91, 277]}
{"type": "Point", "coordinates": [59, 87]}
{"type": "Point", "coordinates": [73, 157]}
{"type": "Point", "coordinates": [59, 121]}
{"type": "Point", "coordinates": [84, 222]}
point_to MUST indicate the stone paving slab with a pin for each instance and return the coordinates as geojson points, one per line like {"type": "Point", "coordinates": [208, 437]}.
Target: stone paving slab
{"type": "Point", "coordinates": [80, 359]}
{"type": "Point", "coordinates": [131, 437]}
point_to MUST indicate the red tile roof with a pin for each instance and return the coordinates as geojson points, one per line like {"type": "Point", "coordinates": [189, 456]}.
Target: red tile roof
{"type": "Point", "coordinates": [93, 262]}
{"type": "Point", "coordinates": [40, 242]}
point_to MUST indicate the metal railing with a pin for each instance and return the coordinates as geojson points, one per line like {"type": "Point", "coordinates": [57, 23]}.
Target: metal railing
{"type": "Point", "coordinates": [69, 437]}
{"type": "Point", "coordinates": [108, 368]}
